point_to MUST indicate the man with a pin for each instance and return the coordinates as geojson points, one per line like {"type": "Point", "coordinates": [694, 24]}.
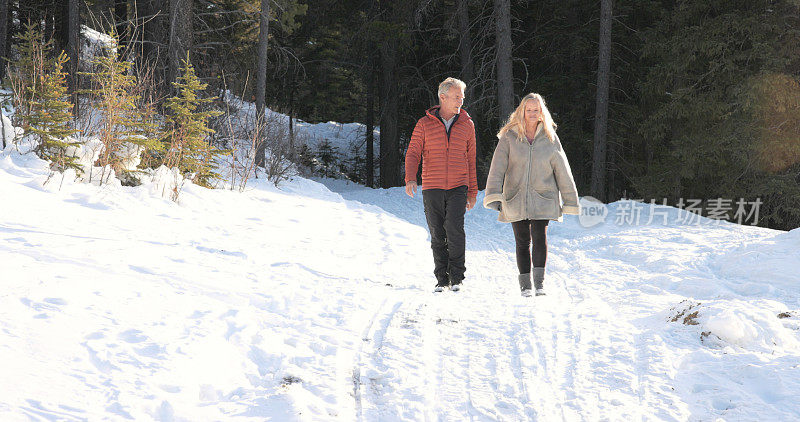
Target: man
{"type": "Point", "coordinates": [445, 141]}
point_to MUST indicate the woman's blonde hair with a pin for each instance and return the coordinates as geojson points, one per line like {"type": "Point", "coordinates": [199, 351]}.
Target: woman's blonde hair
{"type": "Point", "coordinates": [516, 121]}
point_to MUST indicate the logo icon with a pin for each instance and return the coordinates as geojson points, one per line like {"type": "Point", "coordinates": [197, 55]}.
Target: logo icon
{"type": "Point", "coordinates": [593, 212]}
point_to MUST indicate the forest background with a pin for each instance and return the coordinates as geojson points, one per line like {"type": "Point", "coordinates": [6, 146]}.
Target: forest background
{"type": "Point", "coordinates": [661, 101]}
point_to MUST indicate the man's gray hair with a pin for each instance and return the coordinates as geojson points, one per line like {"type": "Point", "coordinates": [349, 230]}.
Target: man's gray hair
{"type": "Point", "coordinates": [447, 83]}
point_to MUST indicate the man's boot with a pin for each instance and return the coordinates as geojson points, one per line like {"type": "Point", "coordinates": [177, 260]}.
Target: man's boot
{"type": "Point", "coordinates": [441, 284]}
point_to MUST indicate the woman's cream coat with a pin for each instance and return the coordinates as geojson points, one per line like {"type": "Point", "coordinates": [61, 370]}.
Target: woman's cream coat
{"type": "Point", "coordinates": [525, 180]}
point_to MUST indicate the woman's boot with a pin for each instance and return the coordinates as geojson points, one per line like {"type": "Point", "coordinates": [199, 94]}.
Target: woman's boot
{"type": "Point", "coordinates": [525, 284]}
{"type": "Point", "coordinates": [538, 280]}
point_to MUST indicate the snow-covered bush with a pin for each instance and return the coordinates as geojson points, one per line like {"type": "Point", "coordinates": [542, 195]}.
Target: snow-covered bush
{"type": "Point", "coordinates": [122, 127]}
{"type": "Point", "coordinates": [166, 183]}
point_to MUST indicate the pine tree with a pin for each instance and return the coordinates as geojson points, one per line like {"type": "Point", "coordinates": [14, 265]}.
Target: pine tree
{"type": "Point", "coordinates": [721, 106]}
{"type": "Point", "coordinates": [27, 72]}
{"type": "Point", "coordinates": [188, 146]}
{"type": "Point", "coordinates": [40, 99]}
{"type": "Point", "coordinates": [328, 155]}
{"type": "Point", "coordinates": [123, 129]}
{"type": "Point", "coordinates": [50, 117]}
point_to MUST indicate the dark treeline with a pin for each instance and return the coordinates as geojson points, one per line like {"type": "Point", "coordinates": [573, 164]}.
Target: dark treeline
{"type": "Point", "coordinates": [654, 99]}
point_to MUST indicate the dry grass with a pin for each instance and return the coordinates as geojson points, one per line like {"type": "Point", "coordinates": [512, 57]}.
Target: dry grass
{"type": "Point", "coordinates": [685, 316]}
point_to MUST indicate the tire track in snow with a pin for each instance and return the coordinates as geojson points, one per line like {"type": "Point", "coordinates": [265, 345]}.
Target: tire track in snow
{"type": "Point", "coordinates": [373, 333]}
{"type": "Point", "coordinates": [545, 356]}
{"type": "Point", "coordinates": [545, 374]}
{"type": "Point", "coordinates": [539, 375]}
{"type": "Point", "coordinates": [483, 377]}
{"type": "Point", "coordinates": [476, 386]}
{"type": "Point", "coordinates": [555, 350]}
{"type": "Point", "coordinates": [449, 379]}
{"type": "Point", "coordinates": [430, 343]}
{"type": "Point", "coordinates": [519, 370]}
{"type": "Point", "coordinates": [603, 353]}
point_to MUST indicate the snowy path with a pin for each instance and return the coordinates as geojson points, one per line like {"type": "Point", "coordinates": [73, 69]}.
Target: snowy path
{"type": "Point", "coordinates": [304, 304]}
{"type": "Point", "coordinates": [587, 351]}
{"type": "Point", "coordinates": [483, 356]}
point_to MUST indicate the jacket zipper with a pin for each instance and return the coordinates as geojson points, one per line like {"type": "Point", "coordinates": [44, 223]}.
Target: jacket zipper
{"type": "Point", "coordinates": [528, 178]}
{"type": "Point", "coordinates": [447, 149]}
{"type": "Point", "coordinates": [447, 152]}
{"type": "Point", "coordinates": [447, 156]}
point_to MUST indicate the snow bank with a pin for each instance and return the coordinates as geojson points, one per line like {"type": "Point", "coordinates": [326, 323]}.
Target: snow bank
{"type": "Point", "coordinates": [9, 132]}
{"type": "Point", "coordinates": [162, 182]}
{"type": "Point", "coordinates": [344, 137]}
{"type": "Point", "coordinates": [754, 327]}
{"type": "Point", "coordinates": [772, 262]}
{"type": "Point", "coordinates": [347, 140]}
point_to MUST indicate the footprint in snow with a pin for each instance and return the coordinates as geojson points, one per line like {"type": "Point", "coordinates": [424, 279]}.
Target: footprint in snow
{"type": "Point", "coordinates": [132, 336]}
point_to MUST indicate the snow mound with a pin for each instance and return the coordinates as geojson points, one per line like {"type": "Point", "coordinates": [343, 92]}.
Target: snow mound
{"type": "Point", "coordinates": [762, 326]}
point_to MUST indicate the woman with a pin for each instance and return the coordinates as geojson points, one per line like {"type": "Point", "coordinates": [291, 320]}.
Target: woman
{"type": "Point", "coordinates": [529, 169]}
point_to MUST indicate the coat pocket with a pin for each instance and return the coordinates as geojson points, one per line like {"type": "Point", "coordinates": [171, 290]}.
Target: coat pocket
{"type": "Point", "coordinates": [513, 207]}
{"type": "Point", "coordinates": [545, 204]}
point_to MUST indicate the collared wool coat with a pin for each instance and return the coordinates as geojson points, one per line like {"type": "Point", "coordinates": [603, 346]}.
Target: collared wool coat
{"type": "Point", "coordinates": [528, 181]}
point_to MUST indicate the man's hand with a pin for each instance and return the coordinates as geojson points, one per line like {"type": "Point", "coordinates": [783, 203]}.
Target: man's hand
{"type": "Point", "coordinates": [411, 188]}
{"type": "Point", "coordinates": [470, 202]}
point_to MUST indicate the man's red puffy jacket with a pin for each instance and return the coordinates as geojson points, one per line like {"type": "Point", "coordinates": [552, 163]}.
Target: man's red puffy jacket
{"type": "Point", "coordinates": [447, 161]}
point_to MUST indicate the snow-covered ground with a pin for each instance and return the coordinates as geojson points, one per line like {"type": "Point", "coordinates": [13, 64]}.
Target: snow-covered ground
{"type": "Point", "coordinates": [314, 302]}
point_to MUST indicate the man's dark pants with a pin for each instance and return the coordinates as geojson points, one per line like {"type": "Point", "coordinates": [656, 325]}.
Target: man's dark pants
{"type": "Point", "coordinates": [444, 210]}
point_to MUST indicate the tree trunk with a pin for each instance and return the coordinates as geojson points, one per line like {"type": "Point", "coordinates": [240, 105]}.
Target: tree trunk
{"type": "Point", "coordinates": [598, 187]}
{"type": "Point", "coordinates": [49, 21]}
{"type": "Point", "coordinates": [3, 33]}
{"type": "Point", "coordinates": [390, 162]}
{"type": "Point", "coordinates": [261, 71]}
{"type": "Point", "coordinates": [577, 67]}
{"type": "Point", "coordinates": [612, 171]}
{"type": "Point", "coordinates": [465, 46]}
{"type": "Point", "coordinates": [370, 176]}
{"type": "Point", "coordinates": [121, 25]}
{"type": "Point", "coordinates": [61, 22]}
{"type": "Point", "coordinates": [678, 85]}
{"type": "Point", "coordinates": [4, 29]}
{"type": "Point", "coordinates": [180, 36]}
{"type": "Point", "coordinates": [73, 51]}
{"type": "Point", "coordinates": [261, 74]}
{"type": "Point", "coordinates": [292, 89]}
{"type": "Point", "coordinates": [505, 77]}
{"type": "Point", "coordinates": [153, 15]}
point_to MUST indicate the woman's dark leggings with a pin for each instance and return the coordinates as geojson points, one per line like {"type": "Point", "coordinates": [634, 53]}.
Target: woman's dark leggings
{"type": "Point", "coordinates": [524, 231]}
